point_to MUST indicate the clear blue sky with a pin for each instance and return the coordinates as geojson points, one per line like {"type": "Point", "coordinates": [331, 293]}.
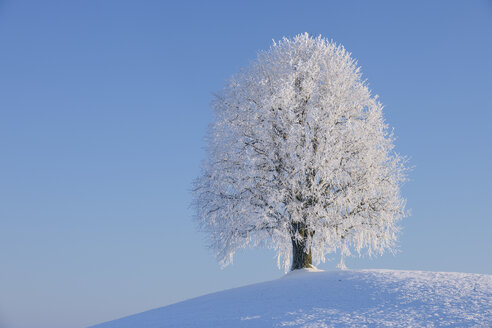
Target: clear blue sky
{"type": "Point", "coordinates": [103, 109]}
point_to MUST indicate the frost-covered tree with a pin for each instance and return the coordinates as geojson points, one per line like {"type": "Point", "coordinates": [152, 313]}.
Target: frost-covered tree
{"type": "Point", "coordinates": [300, 159]}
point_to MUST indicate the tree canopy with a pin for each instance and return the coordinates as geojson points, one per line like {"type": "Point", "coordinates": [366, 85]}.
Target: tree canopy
{"type": "Point", "coordinates": [299, 159]}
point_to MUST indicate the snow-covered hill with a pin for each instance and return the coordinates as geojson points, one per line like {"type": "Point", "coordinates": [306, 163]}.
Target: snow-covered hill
{"type": "Point", "coordinates": [368, 298]}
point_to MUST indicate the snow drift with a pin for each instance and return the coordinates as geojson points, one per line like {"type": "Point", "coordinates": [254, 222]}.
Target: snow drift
{"type": "Point", "coordinates": [302, 298]}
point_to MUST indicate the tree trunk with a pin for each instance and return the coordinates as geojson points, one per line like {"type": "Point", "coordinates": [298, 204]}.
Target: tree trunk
{"type": "Point", "coordinates": [300, 258]}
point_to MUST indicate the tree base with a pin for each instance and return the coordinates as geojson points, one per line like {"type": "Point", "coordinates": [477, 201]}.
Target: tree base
{"type": "Point", "coordinates": [300, 259]}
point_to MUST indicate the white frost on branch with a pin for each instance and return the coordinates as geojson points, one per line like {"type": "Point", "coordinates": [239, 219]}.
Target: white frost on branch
{"type": "Point", "coordinates": [298, 139]}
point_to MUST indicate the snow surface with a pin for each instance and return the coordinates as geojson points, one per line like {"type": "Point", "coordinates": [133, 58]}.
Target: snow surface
{"type": "Point", "coordinates": [310, 298]}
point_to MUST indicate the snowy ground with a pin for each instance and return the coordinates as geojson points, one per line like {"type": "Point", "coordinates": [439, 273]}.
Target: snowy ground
{"type": "Point", "coordinates": [368, 298]}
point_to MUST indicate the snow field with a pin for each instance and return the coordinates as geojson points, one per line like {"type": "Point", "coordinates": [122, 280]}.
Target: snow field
{"type": "Point", "coordinates": [303, 298]}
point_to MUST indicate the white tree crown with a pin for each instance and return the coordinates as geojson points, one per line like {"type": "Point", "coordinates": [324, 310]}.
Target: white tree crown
{"type": "Point", "coordinates": [298, 140]}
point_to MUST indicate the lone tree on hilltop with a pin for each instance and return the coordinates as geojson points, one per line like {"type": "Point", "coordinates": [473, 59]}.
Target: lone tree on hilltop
{"type": "Point", "coordinates": [300, 159]}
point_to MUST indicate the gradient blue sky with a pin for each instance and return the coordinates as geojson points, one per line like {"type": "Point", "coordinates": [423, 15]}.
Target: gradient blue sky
{"type": "Point", "coordinates": [103, 109]}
